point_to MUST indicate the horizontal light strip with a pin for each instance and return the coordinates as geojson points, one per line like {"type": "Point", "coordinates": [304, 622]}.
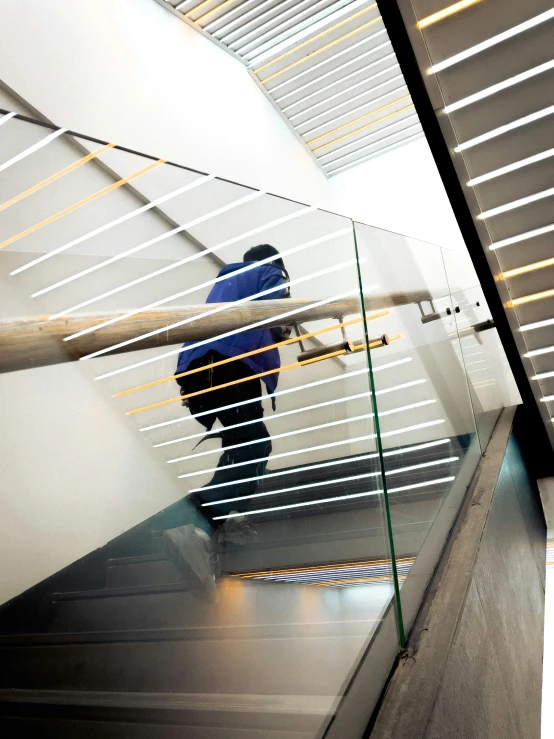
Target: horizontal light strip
{"type": "Point", "coordinates": [363, 138]}
{"type": "Point", "coordinates": [531, 118]}
{"type": "Point", "coordinates": [547, 398]}
{"type": "Point", "coordinates": [336, 498]}
{"type": "Point", "coordinates": [353, 110]}
{"type": "Point", "coordinates": [493, 89]}
{"type": "Point", "coordinates": [335, 82]}
{"type": "Point", "coordinates": [543, 376]}
{"type": "Point", "coordinates": [202, 285]}
{"type": "Point", "coordinates": [56, 176]}
{"type": "Point", "coordinates": [309, 57]}
{"type": "Point", "coordinates": [186, 260]}
{"type": "Point", "coordinates": [267, 44]}
{"type": "Point", "coordinates": [511, 167]}
{"type": "Point", "coordinates": [538, 352]}
{"type": "Point", "coordinates": [478, 48]}
{"type": "Point", "coordinates": [321, 483]}
{"type": "Point", "coordinates": [537, 324]}
{"type": "Point", "coordinates": [364, 128]}
{"type": "Point", "coordinates": [326, 100]}
{"type": "Point", "coordinates": [282, 415]}
{"type": "Point", "coordinates": [214, 311]}
{"type": "Point", "coordinates": [522, 236]}
{"type": "Point", "coordinates": [253, 352]}
{"type": "Point", "coordinates": [445, 13]}
{"type": "Point", "coordinates": [70, 209]}
{"type": "Point", "coordinates": [35, 147]}
{"type": "Point", "coordinates": [315, 38]}
{"type": "Point", "coordinates": [531, 298]}
{"type": "Point", "coordinates": [356, 120]}
{"type": "Point", "coordinates": [155, 240]}
{"type": "Point", "coordinates": [5, 118]}
{"type": "Point", "coordinates": [517, 203]}
{"type": "Point", "coordinates": [321, 465]}
{"type": "Point", "coordinates": [278, 393]}
{"type": "Point", "coordinates": [174, 352]}
{"type": "Point", "coordinates": [330, 445]}
{"type": "Point", "coordinates": [360, 159]}
{"type": "Point", "coordinates": [332, 58]}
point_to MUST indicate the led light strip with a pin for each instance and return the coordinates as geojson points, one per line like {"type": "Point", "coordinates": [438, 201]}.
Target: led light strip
{"type": "Point", "coordinates": [511, 167]}
{"type": "Point", "coordinates": [543, 375]}
{"type": "Point", "coordinates": [537, 324]}
{"type": "Point", "coordinates": [315, 38]}
{"type": "Point", "coordinates": [344, 91]}
{"type": "Point", "coordinates": [252, 353]}
{"type": "Point", "coordinates": [538, 352]}
{"type": "Point", "coordinates": [337, 498]}
{"type": "Point", "coordinates": [112, 224]}
{"type": "Point", "coordinates": [156, 239]}
{"type": "Point", "coordinates": [349, 49]}
{"type": "Point", "coordinates": [399, 142]}
{"type": "Point", "coordinates": [338, 480]}
{"type": "Point", "coordinates": [31, 150]}
{"type": "Point", "coordinates": [354, 110]}
{"type": "Point", "coordinates": [365, 138]}
{"type": "Point", "coordinates": [70, 209]}
{"type": "Point", "coordinates": [321, 465]}
{"type": "Point", "coordinates": [530, 298]}
{"type": "Point", "coordinates": [333, 72]}
{"type": "Point", "coordinates": [56, 176]}
{"type": "Point", "coordinates": [547, 398]}
{"type": "Point", "coordinates": [6, 117]}
{"type": "Point", "coordinates": [445, 13]}
{"type": "Point", "coordinates": [181, 262]}
{"type": "Point", "coordinates": [278, 393]}
{"type": "Point", "coordinates": [493, 89]}
{"type": "Point", "coordinates": [279, 415]}
{"type": "Point", "coordinates": [214, 311]}
{"type": "Point", "coordinates": [208, 283]}
{"type": "Point", "coordinates": [309, 57]}
{"type": "Point", "coordinates": [478, 48]}
{"type": "Point", "coordinates": [318, 448]}
{"type": "Point", "coordinates": [531, 118]}
{"type": "Point", "coordinates": [522, 237]}
{"type": "Point", "coordinates": [306, 430]}
{"type": "Point", "coordinates": [517, 203]}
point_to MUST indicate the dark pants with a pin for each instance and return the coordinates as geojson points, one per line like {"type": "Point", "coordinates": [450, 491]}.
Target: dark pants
{"type": "Point", "coordinates": [234, 464]}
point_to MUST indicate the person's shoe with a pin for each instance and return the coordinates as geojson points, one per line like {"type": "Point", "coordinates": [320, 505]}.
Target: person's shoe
{"type": "Point", "coordinates": [237, 531]}
{"type": "Point", "coordinates": [190, 550]}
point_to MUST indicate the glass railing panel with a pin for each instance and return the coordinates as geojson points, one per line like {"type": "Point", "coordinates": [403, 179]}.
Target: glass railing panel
{"type": "Point", "coordinates": [269, 473]}
{"type": "Point", "coordinates": [427, 427]}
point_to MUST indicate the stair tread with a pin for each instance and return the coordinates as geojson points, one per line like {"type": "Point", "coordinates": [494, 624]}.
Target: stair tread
{"type": "Point", "coordinates": [177, 701]}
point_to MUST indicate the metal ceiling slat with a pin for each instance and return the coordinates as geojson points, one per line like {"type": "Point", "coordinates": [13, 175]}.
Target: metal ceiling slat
{"type": "Point", "coordinates": [326, 65]}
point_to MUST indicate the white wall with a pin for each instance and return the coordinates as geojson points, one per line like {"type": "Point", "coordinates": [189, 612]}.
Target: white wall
{"type": "Point", "coordinates": [131, 72]}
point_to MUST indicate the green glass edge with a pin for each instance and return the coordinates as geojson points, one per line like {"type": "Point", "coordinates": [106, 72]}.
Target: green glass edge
{"type": "Point", "coordinates": [399, 619]}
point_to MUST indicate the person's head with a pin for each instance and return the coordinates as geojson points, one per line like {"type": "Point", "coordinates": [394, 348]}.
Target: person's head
{"type": "Point", "coordinates": [264, 251]}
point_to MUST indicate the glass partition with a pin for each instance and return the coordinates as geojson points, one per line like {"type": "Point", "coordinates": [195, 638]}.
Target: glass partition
{"type": "Point", "coordinates": [283, 401]}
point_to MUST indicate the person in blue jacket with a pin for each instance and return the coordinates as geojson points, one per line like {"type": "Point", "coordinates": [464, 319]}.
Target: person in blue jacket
{"type": "Point", "coordinates": [238, 407]}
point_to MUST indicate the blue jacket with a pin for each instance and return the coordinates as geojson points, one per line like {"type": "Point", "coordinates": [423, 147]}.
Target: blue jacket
{"type": "Point", "coordinates": [235, 288]}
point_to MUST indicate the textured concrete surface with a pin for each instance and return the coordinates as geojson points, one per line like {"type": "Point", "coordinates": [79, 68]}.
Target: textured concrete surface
{"type": "Point", "coordinates": [475, 666]}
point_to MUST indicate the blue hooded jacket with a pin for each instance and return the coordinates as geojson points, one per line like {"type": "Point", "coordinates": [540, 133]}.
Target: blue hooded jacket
{"type": "Point", "coordinates": [237, 287]}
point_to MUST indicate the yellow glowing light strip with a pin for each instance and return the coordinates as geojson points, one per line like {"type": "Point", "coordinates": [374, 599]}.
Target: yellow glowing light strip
{"type": "Point", "coordinates": [86, 200]}
{"type": "Point", "coordinates": [316, 38]}
{"type": "Point", "coordinates": [323, 568]}
{"type": "Point", "coordinates": [56, 176]}
{"type": "Point", "coordinates": [328, 46]}
{"type": "Point", "coordinates": [530, 298]}
{"type": "Point", "coordinates": [362, 128]}
{"type": "Point", "coordinates": [294, 340]}
{"type": "Point", "coordinates": [340, 352]}
{"type": "Point", "coordinates": [210, 12]}
{"type": "Point", "coordinates": [445, 13]}
{"type": "Point", "coordinates": [527, 268]}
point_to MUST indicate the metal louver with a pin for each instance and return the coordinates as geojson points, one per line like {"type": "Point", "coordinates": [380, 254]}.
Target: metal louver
{"type": "Point", "coordinates": [326, 65]}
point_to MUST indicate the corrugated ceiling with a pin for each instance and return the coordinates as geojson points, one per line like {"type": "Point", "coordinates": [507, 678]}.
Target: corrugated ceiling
{"type": "Point", "coordinates": [326, 65]}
